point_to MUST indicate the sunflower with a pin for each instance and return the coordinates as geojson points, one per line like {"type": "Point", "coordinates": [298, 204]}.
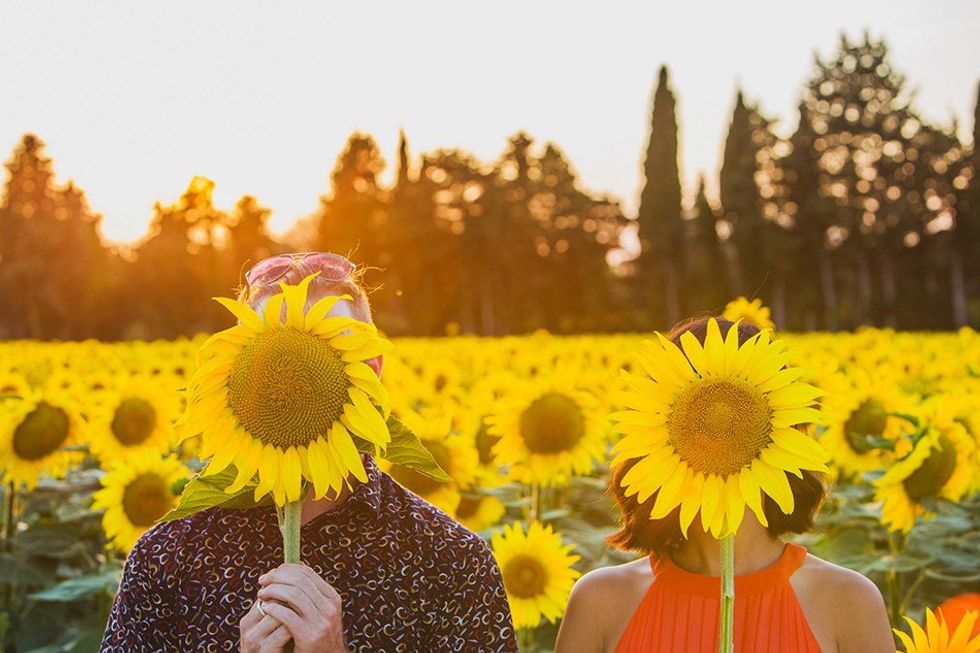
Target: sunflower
{"type": "Point", "coordinates": [940, 465]}
{"type": "Point", "coordinates": [137, 413]}
{"type": "Point", "coordinates": [713, 427]}
{"type": "Point", "coordinates": [36, 432]}
{"type": "Point", "coordinates": [861, 412]}
{"type": "Point", "coordinates": [283, 398]}
{"type": "Point", "coordinates": [935, 637]}
{"type": "Point", "coordinates": [450, 451]}
{"type": "Point", "coordinates": [549, 429]}
{"type": "Point", "coordinates": [479, 512]}
{"type": "Point", "coordinates": [752, 312]}
{"type": "Point", "coordinates": [537, 571]}
{"type": "Point", "coordinates": [136, 493]}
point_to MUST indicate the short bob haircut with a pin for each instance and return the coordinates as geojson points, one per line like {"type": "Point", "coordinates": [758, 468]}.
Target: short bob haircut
{"type": "Point", "coordinates": [659, 537]}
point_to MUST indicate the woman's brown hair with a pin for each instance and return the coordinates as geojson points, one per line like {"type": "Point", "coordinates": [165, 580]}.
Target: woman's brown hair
{"type": "Point", "coordinates": [660, 536]}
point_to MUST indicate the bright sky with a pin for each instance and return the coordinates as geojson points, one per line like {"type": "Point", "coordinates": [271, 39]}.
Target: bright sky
{"type": "Point", "coordinates": [134, 98]}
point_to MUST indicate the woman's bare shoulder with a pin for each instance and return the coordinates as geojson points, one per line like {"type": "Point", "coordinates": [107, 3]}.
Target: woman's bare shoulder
{"type": "Point", "coordinates": [825, 578]}
{"type": "Point", "coordinates": [599, 605]}
{"type": "Point", "coordinates": [844, 608]}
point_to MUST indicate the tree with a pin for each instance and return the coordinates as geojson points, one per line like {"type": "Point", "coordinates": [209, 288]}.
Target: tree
{"type": "Point", "coordinates": [706, 285]}
{"type": "Point", "coordinates": [659, 216]}
{"type": "Point", "coordinates": [748, 152]}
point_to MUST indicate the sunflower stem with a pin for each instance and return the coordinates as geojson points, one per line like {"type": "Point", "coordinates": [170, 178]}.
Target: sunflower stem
{"type": "Point", "coordinates": [726, 634]}
{"type": "Point", "coordinates": [290, 527]}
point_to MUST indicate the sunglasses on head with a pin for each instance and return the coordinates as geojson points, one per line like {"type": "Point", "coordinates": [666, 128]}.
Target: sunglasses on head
{"type": "Point", "coordinates": [332, 267]}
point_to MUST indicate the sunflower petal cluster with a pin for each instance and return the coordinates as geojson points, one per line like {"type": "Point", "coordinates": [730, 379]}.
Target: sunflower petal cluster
{"type": "Point", "coordinates": [713, 427]}
{"type": "Point", "coordinates": [537, 570]}
{"type": "Point", "coordinates": [136, 493]}
{"type": "Point", "coordinates": [281, 395]}
{"type": "Point", "coordinates": [936, 638]}
{"type": "Point", "coordinates": [38, 432]}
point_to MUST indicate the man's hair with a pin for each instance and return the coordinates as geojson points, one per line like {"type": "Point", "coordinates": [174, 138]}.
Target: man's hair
{"type": "Point", "coordinates": [360, 307]}
{"type": "Point", "coordinates": [661, 536]}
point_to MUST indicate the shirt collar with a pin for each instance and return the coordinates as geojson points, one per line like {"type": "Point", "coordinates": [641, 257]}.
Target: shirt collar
{"type": "Point", "coordinates": [365, 497]}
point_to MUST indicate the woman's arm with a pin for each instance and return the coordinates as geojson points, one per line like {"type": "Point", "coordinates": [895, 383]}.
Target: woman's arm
{"type": "Point", "coordinates": [861, 617]}
{"type": "Point", "coordinates": [584, 627]}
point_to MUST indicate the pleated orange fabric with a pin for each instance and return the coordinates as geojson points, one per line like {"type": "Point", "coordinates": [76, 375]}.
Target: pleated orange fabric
{"type": "Point", "coordinates": [679, 613]}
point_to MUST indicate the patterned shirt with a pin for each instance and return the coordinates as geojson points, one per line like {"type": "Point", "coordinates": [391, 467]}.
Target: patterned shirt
{"type": "Point", "coordinates": [410, 578]}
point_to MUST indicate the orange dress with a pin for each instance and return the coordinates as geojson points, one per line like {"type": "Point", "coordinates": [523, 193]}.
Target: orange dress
{"type": "Point", "coordinates": [679, 613]}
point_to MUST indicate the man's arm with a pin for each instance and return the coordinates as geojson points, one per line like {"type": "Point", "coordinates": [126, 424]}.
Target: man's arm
{"type": "Point", "coordinates": [140, 617]}
{"type": "Point", "coordinates": [475, 615]}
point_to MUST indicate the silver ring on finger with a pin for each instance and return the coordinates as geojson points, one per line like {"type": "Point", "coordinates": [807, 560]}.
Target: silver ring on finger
{"type": "Point", "coordinates": [258, 604]}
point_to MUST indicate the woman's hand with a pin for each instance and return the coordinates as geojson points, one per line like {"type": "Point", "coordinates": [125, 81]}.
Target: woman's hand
{"type": "Point", "coordinates": [261, 634]}
{"type": "Point", "coordinates": [307, 607]}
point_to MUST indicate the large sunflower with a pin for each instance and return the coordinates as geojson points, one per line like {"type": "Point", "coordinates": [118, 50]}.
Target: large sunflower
{"type": "Point", "coordinates": [537, 571]}
{"type": "Point", "coordinates": [940, 465]}
{"type": "Point", "coordinates": [713, 427]}
{"type": "Point", "coordinates": [281, 399]}
{"type": "Point", "coordinates": [136, 492]}
{"type": "Point", "coordinates": [36, 433]}
{"type": "Point", "coordinates": [549, 430]}
{"type": "Point", "coordinates": [138, 413]}
{"type": "Point", "coordinates": [936, 638]}
{"type": "Point", "coordinates": [862, 414]}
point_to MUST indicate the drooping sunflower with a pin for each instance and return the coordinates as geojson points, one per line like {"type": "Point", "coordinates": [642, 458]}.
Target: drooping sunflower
{"type": "Point", "coordinates": [281, 398]}
{"type": "Point", "coordinates": [451, 452]}
{"type": "Point", "coordinates": [137, 413]}
{"type": "Point", "coordinates": [549, 428]}
{"type": "Point", "coordinates": [940, 465]}
{"type": "Point", "coordinates": [479, 512]}
{"type": "Point", "coordinates": [537, 570]}
{"type": "Point", "coordinates": [861, 413]}
{"type": "Point", "coordinates": [36, 432]}
{"type": "Point", "coordinates": [714, 427]}
{"type": "Point", "coordinates": [936, 638]}
{"type": "Point", "coordinates": [750, 311]}
{"type": "Point", "coordinates": [136, 492]}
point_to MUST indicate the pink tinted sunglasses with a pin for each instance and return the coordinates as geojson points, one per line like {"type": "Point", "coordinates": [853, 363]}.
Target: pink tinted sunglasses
{"type": "Point", "coordinates": [332, 267]}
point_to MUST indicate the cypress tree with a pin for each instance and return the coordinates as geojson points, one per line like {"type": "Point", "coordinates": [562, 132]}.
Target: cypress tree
{"type": "Point", "coordinates": [659, 218]}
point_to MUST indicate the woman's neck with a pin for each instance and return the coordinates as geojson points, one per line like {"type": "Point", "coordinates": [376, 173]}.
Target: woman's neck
{"type": "Point", "coordinates": [755, 549]}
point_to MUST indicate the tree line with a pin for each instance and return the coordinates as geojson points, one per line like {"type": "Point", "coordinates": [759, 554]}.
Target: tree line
{"type": "Point", "coordinates": [868, 214]}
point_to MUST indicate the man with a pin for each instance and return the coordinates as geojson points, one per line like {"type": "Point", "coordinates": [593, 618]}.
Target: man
{"type": "Point", "coordinates": [384, 570]}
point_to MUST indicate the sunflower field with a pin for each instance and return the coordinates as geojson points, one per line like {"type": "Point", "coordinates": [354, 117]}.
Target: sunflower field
{"type": "Point", "coordinates": [524, 427]}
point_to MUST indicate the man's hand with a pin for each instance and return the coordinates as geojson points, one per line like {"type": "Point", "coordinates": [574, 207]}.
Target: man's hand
{"type": "Point", "coordinates": [258, 634]}
{"type": "Point", "coordinates": [306, 605]}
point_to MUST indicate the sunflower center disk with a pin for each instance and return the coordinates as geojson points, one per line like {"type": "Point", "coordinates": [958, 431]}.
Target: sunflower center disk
{"type": "Point", "coordinates": [936, 470]}
{"type": "Point", "coordinates": [866, 422]}
{"type": "Point", "coordinates": [41, 432]}
{"type": "Point", "coordinates": [718, 426]}
{"type": "Point", "coordinates": [525, 577]}
{"type": "Point", "coordinates": [417, 482]}
{"type": "Point", "coordinates": [146, 499]}
{"type": "Point", "coordinates": [467, 507]}
{"type": "Point", "coordinates": [484, 444]}
{"type": "Point", "coordinates": [133, 421]}
{"type": "Point", "coordinates": [287, 387]}
{"type": "Point", "coordinates": [553, 423]}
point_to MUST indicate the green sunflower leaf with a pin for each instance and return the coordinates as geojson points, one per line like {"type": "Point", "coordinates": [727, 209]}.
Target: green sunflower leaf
{"type": "Point", "coordinates": [203, 492]}
{"type": "Point", "coordinates": [406, 449]}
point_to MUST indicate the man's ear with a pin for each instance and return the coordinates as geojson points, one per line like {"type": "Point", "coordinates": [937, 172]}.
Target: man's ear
{"type": "Point", "coordinates": [375, 364]}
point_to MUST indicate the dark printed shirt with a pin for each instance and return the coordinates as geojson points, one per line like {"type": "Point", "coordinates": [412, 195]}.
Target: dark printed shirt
{"type": "Point", "coordinates": [410, 577]}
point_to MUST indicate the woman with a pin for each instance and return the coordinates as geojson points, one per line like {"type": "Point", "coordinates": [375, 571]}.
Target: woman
{"type": "Point", "coordinates": [786, 600]}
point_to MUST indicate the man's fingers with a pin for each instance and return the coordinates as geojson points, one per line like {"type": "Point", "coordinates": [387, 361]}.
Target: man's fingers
{"type": "Point", "coordinates": [263, 629]}
{"type": "Point", "coordinates": [296, 597]}
{"type": "Point", "coordinates": [251, 618]}
{"type": "Point", "coordinates": [292, 621]}
{"type": "Point", "coordinates": [301, 576]}
{"type": "Point", "coordinates": [276, 641]}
